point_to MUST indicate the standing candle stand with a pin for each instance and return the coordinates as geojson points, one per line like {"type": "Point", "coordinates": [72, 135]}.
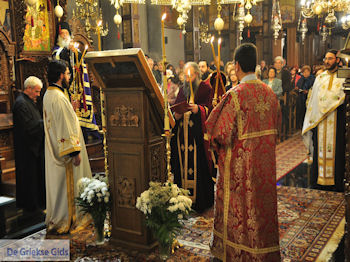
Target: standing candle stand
{"type": "Point", "coordinates": [167, 131]}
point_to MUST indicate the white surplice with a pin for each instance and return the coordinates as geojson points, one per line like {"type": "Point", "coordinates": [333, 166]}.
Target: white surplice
{"type": "Point", "coordinates": [63, 136]}
{"type": "Point", "coordinates": [326, 95]}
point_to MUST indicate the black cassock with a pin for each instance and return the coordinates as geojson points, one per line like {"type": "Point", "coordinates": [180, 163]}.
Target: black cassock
{"type": "Point", "coordinates": [29, 154]}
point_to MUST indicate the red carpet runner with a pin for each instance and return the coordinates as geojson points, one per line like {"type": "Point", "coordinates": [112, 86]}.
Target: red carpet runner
{"type": "Point", "coordinates": [289, 154]}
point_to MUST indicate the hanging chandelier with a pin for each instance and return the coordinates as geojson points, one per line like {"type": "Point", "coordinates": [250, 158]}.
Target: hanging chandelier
{"type": "Point", "coordinates": [324, 8]}
{"type": "Point", "coordinates": [183, 7]}
{"type": "Point", "coordinates": [118, 5]}
{"type": "Point", "coordinates": [242, 16]}
{"type": "Point", "coordinates": [276, 19]}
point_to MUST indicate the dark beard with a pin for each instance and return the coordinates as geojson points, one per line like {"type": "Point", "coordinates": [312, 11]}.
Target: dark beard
{"type": "Point", "coordinates": [65, 84]}
{"type": "Point", "coordinates": [332, 67]}
{"type": "Point", "coordinates": [187, 89]}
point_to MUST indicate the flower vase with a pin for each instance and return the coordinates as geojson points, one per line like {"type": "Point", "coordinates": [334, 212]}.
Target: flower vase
{"type": "Point", "coordinates": [164, 251]}
{"type": "Point", "coordinates": [99, 234]}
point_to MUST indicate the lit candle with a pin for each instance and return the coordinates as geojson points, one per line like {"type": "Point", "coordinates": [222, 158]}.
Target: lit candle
{"type": "Point", "coordinates": [163, 37]}
{"type": "Point", "coordinates": [99, 34]}
{"type": "Point", "coordinates": [212, 47]}
{"type": "Point", "coordinates": [82, 56]}
{"type": "Point", "coordinates": [219, 47]}
{"type": "Point", "coordinates": [165, 81]}
{"type": "Point", "coordinates": [347, 62]}
{"type": "Point", "coordinates": [191, 89]}
{"type": "Point", "coordinates": [76, 45]}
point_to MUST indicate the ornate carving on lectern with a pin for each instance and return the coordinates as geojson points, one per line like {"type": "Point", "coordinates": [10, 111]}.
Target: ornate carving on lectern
{"type": "Point", "coordinates": [156, 171]}
{"type": "Point", "coordinates": [126, 192]}
{"type": "Point", "coordinates": [124, 116]}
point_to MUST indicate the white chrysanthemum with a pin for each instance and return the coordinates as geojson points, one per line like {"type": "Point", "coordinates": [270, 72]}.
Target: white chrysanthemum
{"type": "Point", "coordinates": [173, 200]}
{"type": "Point", "coordinates": [181, 206]}
{"type": "Point", "coordinates": [106, 199]}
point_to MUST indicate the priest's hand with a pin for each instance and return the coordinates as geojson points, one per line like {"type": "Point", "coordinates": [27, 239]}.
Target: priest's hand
{"type": "Point", "coordinates": [76, 160]}
{"type": "Point", "coordinates": [194, 108]}
{"type": "Point", "coordinates": [177, 116]}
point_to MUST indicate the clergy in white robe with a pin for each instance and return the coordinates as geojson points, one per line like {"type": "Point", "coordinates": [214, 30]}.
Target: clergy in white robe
{"type": "Point", "coordinates": [325, 123]}
{"type": "Point", "coordinates": [66, 159]}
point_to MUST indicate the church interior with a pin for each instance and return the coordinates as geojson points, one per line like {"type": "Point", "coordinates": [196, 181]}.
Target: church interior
{"type": "Point", "coordinates": [124, 54]}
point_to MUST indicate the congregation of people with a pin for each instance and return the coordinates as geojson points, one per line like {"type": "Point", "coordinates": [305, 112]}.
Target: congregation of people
{"type": "Point", "coordinates": [225, 138]}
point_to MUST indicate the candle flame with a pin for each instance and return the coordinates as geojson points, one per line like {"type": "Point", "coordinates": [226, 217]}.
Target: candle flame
{"type": "Point", "coordinates": [212, 39]}
{"type": "Point", "coordinates": [219, 41]}
{"type": "Point", "coordinates": [164, 16]}
{"type": "Point", "coordinates": [86, 47]}
{"type": "Point", "coordinates": [76, 45]}
{"type": "Point", "coordinates": [189, 73]}
{"type": "Point", "coordinates": [99, 23]}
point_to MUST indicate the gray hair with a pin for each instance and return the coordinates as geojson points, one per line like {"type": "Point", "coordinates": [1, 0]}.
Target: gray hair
{"type": "Point", "coordinates": [195, 67]}
{"type": "Point", "coordinates": [32, 81]}
{"type": "Point", "coordinates": [278, 58]}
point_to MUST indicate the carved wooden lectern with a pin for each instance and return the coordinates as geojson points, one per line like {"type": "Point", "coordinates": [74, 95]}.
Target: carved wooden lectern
{"type": "Point", "coordinates": [134, 109]}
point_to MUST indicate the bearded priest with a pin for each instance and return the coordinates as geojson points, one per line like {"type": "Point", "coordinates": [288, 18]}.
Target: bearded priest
{"type": "Point", "coordinates": [190, 161]}
{"type": "Point", "coordinates": [79, 96]}
{"type": "Point", "coordinates": [66, 159]}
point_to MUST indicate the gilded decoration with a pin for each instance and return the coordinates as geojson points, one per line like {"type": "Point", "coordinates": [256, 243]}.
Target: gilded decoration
{"type": "Point", "coordinates": [261, 107]}
{"type": "Point", "coordinates": [37, 28]}
{"type": "Point", "coordinates": [126, 192]}
{"type": "Point", "coordinates": [124, 116]}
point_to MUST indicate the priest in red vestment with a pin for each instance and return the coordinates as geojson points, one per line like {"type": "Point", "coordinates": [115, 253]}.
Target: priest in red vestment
{"type": "Point", "coordinates": [242, 129]}
{"type": "Point", "coordinates": [190, 161]}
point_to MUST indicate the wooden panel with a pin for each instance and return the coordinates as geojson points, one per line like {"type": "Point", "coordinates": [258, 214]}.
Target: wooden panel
{"type": "Point", "coordinates": [125, 114]}
{"type": "Point", "coordinates": [127, 173]}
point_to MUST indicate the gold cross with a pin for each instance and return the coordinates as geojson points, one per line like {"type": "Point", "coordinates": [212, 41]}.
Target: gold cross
{"type": "Point", "coordinates": [261, 107]}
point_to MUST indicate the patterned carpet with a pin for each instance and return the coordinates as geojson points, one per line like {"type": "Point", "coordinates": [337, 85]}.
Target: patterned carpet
{"type": "Point", "coordinates": [311, 227]}
{"type": "Point", "coordinates": [289, 154]}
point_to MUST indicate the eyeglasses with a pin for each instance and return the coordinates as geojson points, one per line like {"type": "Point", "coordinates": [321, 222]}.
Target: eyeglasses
{"type": "Point", "coordinates": [328, 59]}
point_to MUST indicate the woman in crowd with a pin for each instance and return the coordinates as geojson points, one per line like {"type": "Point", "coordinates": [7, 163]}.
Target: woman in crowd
{"type": "Point", "coordinates": [304, 84]}
{"type": "Point", "coordinates": [233, 80]}
{"type": "Point", "coordinates": [273, 82]}
{"type": "Point", "coordinates": [295, 76]}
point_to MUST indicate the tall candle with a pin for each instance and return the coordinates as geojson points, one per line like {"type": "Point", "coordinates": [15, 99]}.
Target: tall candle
{"type": "Point", "coordinates": [82, 56]}
{"type": "Point", "coordinates": [99, 34]}
{"type": "Point", "coordinates": [219, 59]}
{"type": "Point", "coordinates": [212, 47]}
{"type": "Point", "coordinates": [165, 81]}
{"type": "Point", "coordinates": [191, 89]}
{"type": "Point", "coordinates": [163, 37]}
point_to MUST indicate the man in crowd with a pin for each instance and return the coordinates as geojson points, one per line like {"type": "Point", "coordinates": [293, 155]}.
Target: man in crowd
{"type": "Point", "coordinates": [29, 147]}
{"type": "Point", "coordinates": [66, 159]}
{"type": "Point", "coordinates": [242, 129]}
{"type": "Point", "coordinates": [284, 75]}
{"type": "Point", "coordinates": [204, 68]}
{"type": "Point", "coordinates": [180, 68]}
{"type": "Point", "coordinates": [65, 50]}
{"type": "Point", "coordinates": [325, 123]}
{"type": "Point", "coordinates": [190, 161]}
{"type": "Point", "coordinates": [264, 70]}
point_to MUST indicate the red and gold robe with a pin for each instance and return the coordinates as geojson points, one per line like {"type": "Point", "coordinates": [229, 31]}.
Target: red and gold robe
{"type": "Point", "coordinates": [242, 129]}
{"type": "Point", "coordinates": [190, 160]}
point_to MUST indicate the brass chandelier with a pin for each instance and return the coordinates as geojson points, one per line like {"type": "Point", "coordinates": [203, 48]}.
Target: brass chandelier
{"type": "Point", "coordinates": [325, 9]}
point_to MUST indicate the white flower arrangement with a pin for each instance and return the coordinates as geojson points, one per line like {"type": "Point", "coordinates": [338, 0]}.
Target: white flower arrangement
{"type": "Point", "coordinates": [164, 206]}
{"type": "Point", "coordinates": [94, 198]}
